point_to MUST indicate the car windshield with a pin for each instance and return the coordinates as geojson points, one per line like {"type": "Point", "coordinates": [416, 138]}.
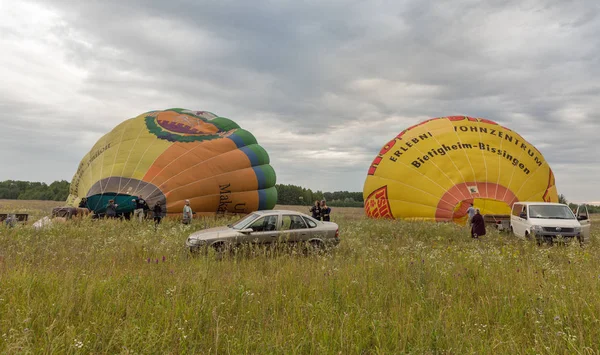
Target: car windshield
{"type": "Point", "coordinates": [550, 212]}
{"type": "Point", "coordinates": [243, 222]}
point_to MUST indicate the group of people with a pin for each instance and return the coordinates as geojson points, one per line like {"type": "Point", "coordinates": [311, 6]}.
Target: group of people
{"type": "Point", "coordinates": [476, 222]}
{"type": "Point", "coordinates": [142, 208]}
{"type": "Point", "coordinates": [320, 211]}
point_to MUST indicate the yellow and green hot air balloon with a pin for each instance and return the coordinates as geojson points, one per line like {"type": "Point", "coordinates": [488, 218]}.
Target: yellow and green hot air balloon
{"type": "Point", "coordinates": [176, 155]}
{"type": "Point", "coordinates": [436, 169]}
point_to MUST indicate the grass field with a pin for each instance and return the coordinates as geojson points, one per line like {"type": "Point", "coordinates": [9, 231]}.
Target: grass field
{"type": "Point", "coordinates": [390, 287]}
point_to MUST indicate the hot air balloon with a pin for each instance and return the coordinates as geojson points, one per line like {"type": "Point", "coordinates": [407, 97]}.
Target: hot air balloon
{"type": "Point", "coordinates": [176, 155]}
{"type": "Point", "coordinates": [436, 169]}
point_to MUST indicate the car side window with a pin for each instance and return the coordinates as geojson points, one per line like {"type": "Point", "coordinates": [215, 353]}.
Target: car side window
{"type": "Point", "coordinates": [310, 222]}
{"type": "Point", "coordinates": [292, 222]}
{"type": "Point", "coordinates": [263, 224]}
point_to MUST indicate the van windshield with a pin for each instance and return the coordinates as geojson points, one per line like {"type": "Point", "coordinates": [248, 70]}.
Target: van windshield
{"type": "Point", "coordinates": [550, 212]}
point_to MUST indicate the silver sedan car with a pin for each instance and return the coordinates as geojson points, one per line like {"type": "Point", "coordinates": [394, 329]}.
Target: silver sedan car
{"type": "Point", "coordinates": [266, 227]}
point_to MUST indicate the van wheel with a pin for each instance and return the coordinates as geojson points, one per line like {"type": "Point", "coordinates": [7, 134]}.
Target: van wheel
{"type": "Point", "coordinates": [528, 236]}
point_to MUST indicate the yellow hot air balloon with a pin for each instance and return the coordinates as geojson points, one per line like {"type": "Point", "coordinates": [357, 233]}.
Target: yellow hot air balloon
{"type": "Point", "coordinates": [436, 169]}
{"type": "Point", "coordinates": [176, 155]}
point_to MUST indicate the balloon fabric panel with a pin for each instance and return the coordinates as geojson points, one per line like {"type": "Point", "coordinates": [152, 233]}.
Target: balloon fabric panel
{"type": "Point", "coordinates": [450, 162]}
{"type": "Point", "coordinates": [174, 155]}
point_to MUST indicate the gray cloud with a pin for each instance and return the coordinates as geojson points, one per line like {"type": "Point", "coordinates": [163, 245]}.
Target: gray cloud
{"type": "Point", "coordinates": [322, 84]}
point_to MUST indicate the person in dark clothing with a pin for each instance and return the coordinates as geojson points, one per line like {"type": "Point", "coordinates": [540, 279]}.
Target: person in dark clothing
{"type": "Point", "coordinates": [477, 225]}
{"type": "Point", "coordinates": [316, 210]}
{"type": "Point", "coordinates": [158, 213]}
{"type": "Point", "coordinates": [325, 211]}
{"type": "Point", "coordinates": [83, 203]}
{"type": "Point", "coordinates": [111, 209]}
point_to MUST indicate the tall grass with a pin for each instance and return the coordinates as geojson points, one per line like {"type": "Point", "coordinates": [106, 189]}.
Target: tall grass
{"type": "Point", "coordinates": [390, 287]}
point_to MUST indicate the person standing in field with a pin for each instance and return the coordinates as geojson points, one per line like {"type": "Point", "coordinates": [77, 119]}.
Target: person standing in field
{"type": "Point", "coordinates": [316, 210]}
{"type": "Point", "coordinates": [470, 213]}
{"type": "Point", "coordinates": [158, 214]}
{"type": "Point", "coordinates": [187, 213]}
{"type": "Point", "coordinates": [141, 206]}
{"type": "Point", "coordinates": [325, 211]}
{"type": "Point", "coordinates": [111, 209]}
{"type": "Point", "coordinates": [477, 225]}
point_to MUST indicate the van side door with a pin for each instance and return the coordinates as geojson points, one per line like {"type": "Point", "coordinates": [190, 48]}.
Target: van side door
{"type": "Point", "coordinates": [517, 222]}
{"type": "Point", "coordinates": [584, 219]}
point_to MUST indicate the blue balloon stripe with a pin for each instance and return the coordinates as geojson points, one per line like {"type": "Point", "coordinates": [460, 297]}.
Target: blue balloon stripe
{"type": "Point", "coordinates": [260, 177]}
{"type": "Point", "coordinates": [262, 199]}
{"type": "Point", "coordinates": [251, 155]}
{"type": "Point", "coordinates": [239, 142]}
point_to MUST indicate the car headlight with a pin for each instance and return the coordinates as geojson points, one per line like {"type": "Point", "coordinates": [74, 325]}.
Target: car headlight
{"type": "Point", "coordinates": [194, 241]}
{"type": "Point", "coordinates": [577, 229]}
{"type": "Point", "coordinates": [537, 229]}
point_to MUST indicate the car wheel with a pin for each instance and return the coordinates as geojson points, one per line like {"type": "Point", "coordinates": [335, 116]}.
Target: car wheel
{"type": "Point", "coordinates": [315, 247]}
{"type": "Point", "coordinates": [220, 248]}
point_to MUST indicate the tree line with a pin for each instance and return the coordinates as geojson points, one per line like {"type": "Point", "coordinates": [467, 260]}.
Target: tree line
{"type": "Point", "coordinates": [27, 190]}
{"type": "Point", "coordinates": [573, 206]}
{"type": "Point", "coordinates": [297, 195]}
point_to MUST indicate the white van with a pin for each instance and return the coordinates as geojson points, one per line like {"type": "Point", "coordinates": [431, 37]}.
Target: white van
{"type": "Point", "coordinates": [546, 221]}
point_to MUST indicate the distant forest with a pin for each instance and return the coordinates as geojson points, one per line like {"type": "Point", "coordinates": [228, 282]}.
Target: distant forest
{"type": "Point", "coordinates": [287, 194]}
{"type": "Point", "coordinates": [26, 190]}
{"type": "Point", "coordinates": [297, 195]}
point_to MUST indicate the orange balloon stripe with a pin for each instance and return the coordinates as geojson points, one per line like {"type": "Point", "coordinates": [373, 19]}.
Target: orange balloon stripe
{"type": "Point", "coordinates": [234, 181]}
{"type": "Point", "coordinates": [238, 202]}
{"type": "Point", "coordinates": [486, 190]}
{"type": "Point", "coordinates": [180, 156]}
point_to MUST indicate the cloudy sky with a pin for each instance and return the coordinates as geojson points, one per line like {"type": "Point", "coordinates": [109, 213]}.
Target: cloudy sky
{"type": "Point", "coordinates": [321, 84]}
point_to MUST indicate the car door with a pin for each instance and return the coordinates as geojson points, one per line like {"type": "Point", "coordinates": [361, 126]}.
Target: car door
{"type": "Point", "coordinates": [264, 230]}
{"type": "Point", "coordinates": [293, 228]}
{"type": "Point", "coordinates": [584, 219]}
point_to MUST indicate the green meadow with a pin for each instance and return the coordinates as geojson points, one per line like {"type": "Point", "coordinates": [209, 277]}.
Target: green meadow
{"type": "Point", "coordinates": [390, 287]}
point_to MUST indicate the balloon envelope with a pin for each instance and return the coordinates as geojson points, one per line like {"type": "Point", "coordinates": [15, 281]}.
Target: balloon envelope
{"type": "Point", "coordinates": [176, 155]}
{"type": "Point", "coordinates": [436, 169]}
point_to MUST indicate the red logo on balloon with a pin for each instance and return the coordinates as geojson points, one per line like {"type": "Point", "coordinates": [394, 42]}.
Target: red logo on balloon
{"type": "Point", "coordinates": [377, 204]}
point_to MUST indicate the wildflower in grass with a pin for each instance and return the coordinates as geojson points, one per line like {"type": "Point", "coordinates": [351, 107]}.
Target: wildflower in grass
{"type": "Point", "coordinates": [78, 344]}
{"type": "Point", "coordinates": [164, 258]}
